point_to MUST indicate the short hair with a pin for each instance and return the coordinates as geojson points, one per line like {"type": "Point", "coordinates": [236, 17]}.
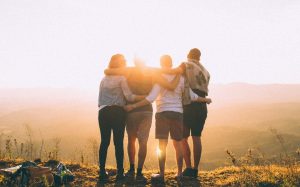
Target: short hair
{"type": "Point", "coordinates": [117, 61]}
{"type": "Point", "coordinates": [166, 60]}
{"type": "Point", "coordinates": [194, 54]}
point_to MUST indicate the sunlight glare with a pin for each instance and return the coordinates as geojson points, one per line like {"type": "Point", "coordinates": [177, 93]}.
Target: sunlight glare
{"type": "Point", "coordinates": [158, 152]}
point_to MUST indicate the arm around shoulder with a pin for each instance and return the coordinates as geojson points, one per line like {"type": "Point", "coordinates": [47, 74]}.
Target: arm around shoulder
{"type": "Point", "coordinates": [165, 83]}
{"type": "Point", "coordinates": [148, 100]}
{"type": "Point", "coordinates": [177, 70]}
{"type": "Point", "coordinates": [117, 71]}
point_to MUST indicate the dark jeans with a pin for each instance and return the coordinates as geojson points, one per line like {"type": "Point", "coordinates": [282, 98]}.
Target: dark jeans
{"type": "Point", "coordinates": [112, 118]}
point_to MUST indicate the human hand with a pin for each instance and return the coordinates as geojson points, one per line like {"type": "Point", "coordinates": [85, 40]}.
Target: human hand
{"type": "Point", "coordinates": [208, 100]}
{"type": "Point", "coordinates": [128, 108]}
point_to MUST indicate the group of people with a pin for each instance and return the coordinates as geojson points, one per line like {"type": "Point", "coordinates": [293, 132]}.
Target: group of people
{"type": "Point", "coordinates": [125, 102]}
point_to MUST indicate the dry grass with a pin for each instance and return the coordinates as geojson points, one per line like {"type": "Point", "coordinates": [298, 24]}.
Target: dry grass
{"type": "Point", "coordinates": [271, 175]}
{"type": "Point", "coordinates": [227, 176]}
{"type": "Point", "coordinates": [252, 169]}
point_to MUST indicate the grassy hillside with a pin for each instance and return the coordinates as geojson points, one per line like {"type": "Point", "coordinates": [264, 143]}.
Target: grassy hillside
{"type": "Point", "coordinates": [227, 176]}
{"type": "Point", "coordinates": [271, 176]}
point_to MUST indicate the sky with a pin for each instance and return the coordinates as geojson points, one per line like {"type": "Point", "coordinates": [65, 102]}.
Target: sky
{"type": "Point", "coordinates": [68, 43]}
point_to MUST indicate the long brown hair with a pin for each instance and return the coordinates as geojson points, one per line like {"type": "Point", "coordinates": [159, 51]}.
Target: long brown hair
{"type": "Point", "coordinates": [117, 61]}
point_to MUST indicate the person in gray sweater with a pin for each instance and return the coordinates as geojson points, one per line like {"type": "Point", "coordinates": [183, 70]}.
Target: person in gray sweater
{"type": "Point", "coordinates": [114, 92]}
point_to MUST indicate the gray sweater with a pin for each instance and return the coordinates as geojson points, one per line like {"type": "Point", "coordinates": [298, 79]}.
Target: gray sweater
{"type": "Point", "coordinates": [114, 90]}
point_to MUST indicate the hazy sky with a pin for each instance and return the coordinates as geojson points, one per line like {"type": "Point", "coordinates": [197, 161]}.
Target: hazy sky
{"type": "Point", "coordinates": [67, 43]}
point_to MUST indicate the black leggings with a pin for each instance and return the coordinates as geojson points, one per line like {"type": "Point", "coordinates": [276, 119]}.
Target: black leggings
{"type": "Point", "coordinates": [112, 118]}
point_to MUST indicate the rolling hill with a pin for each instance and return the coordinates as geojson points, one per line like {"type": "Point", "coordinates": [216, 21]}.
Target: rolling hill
{"type": "Point", "coordinates": [239, 118]}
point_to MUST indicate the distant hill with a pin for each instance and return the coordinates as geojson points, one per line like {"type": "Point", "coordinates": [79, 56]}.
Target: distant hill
{"type": "Point", "coordinates": [240, 117]}
{"type": "Point", "coordinates": [240, 93]}
{"type": "Point", "coordinates": [26, 98]}
{"type": "Point", "coordinates": [222, 95]}
{"type": "Point", "coordinates": [237, 103]}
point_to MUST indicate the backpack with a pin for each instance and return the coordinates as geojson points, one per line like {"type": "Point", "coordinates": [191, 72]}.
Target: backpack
{"type": "Point", "coordinates": [28, 174]}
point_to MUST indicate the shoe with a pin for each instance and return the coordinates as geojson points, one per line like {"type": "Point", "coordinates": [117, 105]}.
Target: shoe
{"type": "Point", "coordinates": [158, 178]}
{"type": "Point", "coordinates": [130, 174]}
{"type": "Point", "coordinates": [195, 173]}
{"type": "Point", "coordinates": [120, 177]}
{"type": "Point", "coordinates": [188, 172]}
{"type": "Point", "coordinates": [178, 177]}
{"type": "Point", "coordinates": [103, 176]}
{"type": "Point", "coordinates": [140, 178]}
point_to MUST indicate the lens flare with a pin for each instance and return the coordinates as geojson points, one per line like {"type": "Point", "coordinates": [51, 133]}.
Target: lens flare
{"type": "Point", "coordinates": [158, 152]}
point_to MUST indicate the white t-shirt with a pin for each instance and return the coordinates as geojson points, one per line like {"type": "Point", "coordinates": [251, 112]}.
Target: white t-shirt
{"type": "Point", "coordinates": [167, 100]}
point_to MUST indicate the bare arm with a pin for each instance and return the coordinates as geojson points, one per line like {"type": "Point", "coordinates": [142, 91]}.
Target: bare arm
{"type": "Point", "coordinates": [139, 98]}
{"type": "Point", "coordinates": [178, 70]}
{"type": "Point", "coordinates": [203, 100]}
{"type": "Point", "coordinates": [117, 71]}
{"type": "Point", "coordinates": [148, 100]}
{"type": "Point", "coordinates": [159, 79]}
{"type": "Point", "coordinates": [127, 92]}
{"type": "Point", "coordinates": [130, 107]}
{"type": "Point", "coordinates": [196, 98]}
